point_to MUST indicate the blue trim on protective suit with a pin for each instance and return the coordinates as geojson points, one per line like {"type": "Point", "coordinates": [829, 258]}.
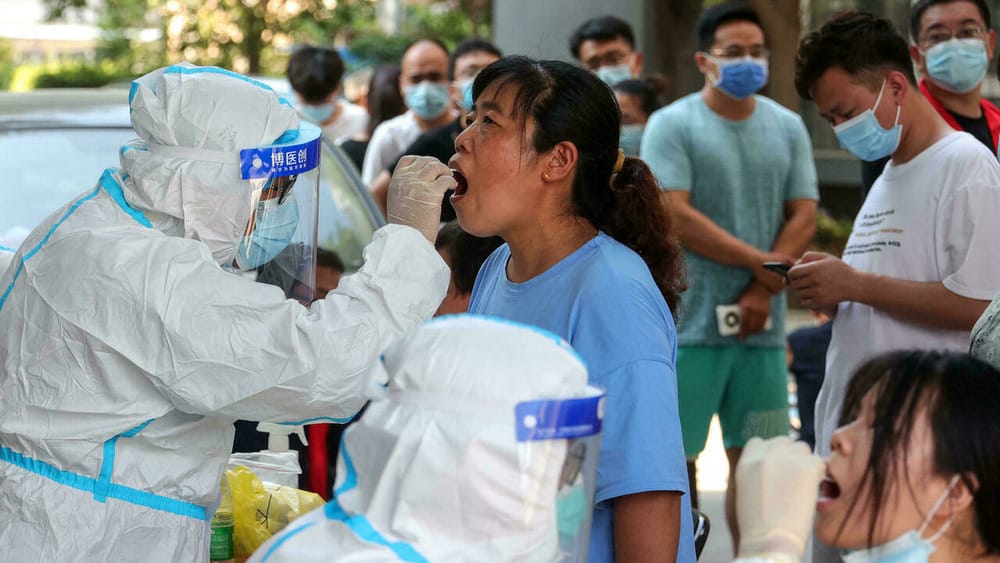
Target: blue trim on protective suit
{"type": "Point", "coordinates": [88, 484]}
{"type": "Point", "coordinates": [108, 462]}
{"type": "Point", "coordinates": [20, 266]}
{"type": "Point", "coordinates": [316, 419]}
{"type": "Point", "coordinates": [114, 190]}
{"type": "Point", "coordinates": [365, 531]}
{"type": "Point", "coordinates": [274, 547]}
{"type": "Point", "coordinates": [131, 94]}
{"type": "Point", "coordinates": [351, 478]}
{"type": "Point", "coordinates": [6, 249]}
{"type": "Point", "coordinates": [358, 523]}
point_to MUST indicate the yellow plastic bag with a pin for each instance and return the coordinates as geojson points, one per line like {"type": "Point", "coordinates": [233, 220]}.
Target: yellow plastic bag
{"type": "Point", "coordinates": [262, 509]}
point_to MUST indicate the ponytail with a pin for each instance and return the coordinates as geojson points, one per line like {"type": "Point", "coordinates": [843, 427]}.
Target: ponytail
{"type": "Point", "coordinates": [639, 219]}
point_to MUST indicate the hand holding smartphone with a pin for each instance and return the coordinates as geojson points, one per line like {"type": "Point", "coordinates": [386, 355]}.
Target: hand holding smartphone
{"type": "Point", "coordinates": [779, 268]}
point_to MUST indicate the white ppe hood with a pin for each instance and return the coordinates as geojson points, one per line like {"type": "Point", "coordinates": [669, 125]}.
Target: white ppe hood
{"type": "Point", "coordinates": [433, 471]}
{"type": "Point", "coordinates": [184, 173]}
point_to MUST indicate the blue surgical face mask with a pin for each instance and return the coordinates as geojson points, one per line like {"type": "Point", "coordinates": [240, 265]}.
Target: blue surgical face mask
{"type": "Point", "coordinates": [958, 65]}
{"type": "Point", "coordinates": [739, 78]}
{"type": "Point", "coordinates": [630, 139]}
{"type": "Point", "coordinates": [910, 547]}
{"type": "Point", "coordinates": [466, 89]}
{"type": "Point", "coordinates": [427, 99]}
{"type": "Point", "coordinates": [865, 138]}
{"type": "Point", "coordinates": [318, 113]}
{"type": "Point", "coordinates": [612, 75]}
{"type": "Point", "coordinates": [274, 228]}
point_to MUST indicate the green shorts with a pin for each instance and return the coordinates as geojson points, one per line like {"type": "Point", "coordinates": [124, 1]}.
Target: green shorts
{"type": "Point", "coordinates": [747, 387]}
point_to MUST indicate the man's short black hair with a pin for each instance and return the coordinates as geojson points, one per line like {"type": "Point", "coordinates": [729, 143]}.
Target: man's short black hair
{"type": "Point", "coordinates": [920, 6]}
{"type": "Point", "coordinates": [603, 28]}
{"type": "Point", "coordinates": [862, 45]}
{"type": "Point", "coordinates": [470, 45]}
{"type": "Point", "coordinates": [329, 259]}
{"type": "Point", "coordinates": [714, 18]}
{"type": "Point", "coordinates": [315, 72]}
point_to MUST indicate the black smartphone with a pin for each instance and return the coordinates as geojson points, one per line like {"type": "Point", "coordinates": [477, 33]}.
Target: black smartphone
{"type": "Point", "coordinates": [779, 268]}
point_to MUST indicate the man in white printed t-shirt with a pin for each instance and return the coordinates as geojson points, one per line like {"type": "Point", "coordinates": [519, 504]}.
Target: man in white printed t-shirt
{"type": "Point", "coordinates": [922, 262]}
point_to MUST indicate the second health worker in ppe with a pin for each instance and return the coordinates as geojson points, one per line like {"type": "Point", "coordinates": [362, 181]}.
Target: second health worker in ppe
{"type": "Point", "coordinates": [127, 349]}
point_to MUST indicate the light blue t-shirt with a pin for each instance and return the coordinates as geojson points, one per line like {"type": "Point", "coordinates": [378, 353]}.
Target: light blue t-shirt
{"type": "Point", "coordinates": [740, 174]}
{"type": "Point", "coordinates": [603, 301]}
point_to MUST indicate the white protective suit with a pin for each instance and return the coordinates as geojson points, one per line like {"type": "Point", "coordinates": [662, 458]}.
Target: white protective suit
{"type": "Point", "coordinates": [433, 471]}
{"type": "Point", "coordinates": [126, 351]}
{"type": "Point", "coordinates": [6, 257]}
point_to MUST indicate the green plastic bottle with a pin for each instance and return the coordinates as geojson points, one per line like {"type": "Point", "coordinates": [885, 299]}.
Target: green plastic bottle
{"type": "Point", "coordinates": [221, 545]}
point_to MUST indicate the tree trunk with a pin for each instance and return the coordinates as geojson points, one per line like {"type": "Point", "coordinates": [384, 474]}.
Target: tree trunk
{"type": "Point", "coordinates": [669, 26]}
{"type": "Point", "coordinates": [783, 26]}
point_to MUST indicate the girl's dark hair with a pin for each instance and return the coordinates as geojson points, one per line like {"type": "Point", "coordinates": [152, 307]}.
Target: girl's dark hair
{"type": "Point", "coordinates": [959, 394]}
{"type": "Point", "coordinates": [647, 91]}
{"type": "Point", "coordinates": [567, 103]}
{"type": "Point", "coordinates": [384, 99]}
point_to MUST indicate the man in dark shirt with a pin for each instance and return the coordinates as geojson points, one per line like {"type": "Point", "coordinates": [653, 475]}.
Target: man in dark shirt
{"type": "Point", "coordinates": [470, 56]}
{"type": "Point", "coordinates": [952, 48]}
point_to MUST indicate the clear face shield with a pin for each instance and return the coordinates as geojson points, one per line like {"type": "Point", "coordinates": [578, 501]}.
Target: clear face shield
{"type": "Point", "coordinates": [280, 238]}
{"type": "Point", "coordinates": [558, 446]}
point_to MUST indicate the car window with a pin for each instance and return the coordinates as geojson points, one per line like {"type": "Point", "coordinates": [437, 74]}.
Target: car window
{"type": "Point", "coordinates": [48, 167]}
{"type": "Point", "coordinates": [348, 220]}
{"type": "Point", "coordinates": [44, 169]}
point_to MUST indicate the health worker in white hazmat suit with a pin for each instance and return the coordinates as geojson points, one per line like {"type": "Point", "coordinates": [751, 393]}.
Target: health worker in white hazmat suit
{"type": "Point", "coordinates": [129, 343]}
{"type": "Point", "coordinates": [482, 448]}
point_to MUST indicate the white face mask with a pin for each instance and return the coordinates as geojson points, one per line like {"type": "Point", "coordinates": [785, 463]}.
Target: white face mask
{"type": "Point", "coordinates": [910, 547]}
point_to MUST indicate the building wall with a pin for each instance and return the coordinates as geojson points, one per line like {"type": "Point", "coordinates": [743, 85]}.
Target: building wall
{"type": "Point", "coordinates": [541, 28]}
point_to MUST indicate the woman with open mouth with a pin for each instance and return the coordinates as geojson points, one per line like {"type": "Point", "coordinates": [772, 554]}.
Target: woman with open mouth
{"type": "Point", "coordinates": [914, 471]}
{"type": "Point", "coordinates": [590, 256]}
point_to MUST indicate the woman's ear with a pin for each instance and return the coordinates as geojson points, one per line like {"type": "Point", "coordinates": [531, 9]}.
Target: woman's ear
{"type": "Point", "coordinates": [560, 162]}
{"type": "Point", "coordinates": [963, 494]}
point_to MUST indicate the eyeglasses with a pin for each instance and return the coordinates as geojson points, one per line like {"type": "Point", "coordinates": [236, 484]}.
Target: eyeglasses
{"type": "Point", "coordinates": [942, 35]}
{"type": "Point", "coordinates": [613, 57]}
{"type": "Point", "coordinates": [736, 52]}
{"type": "Point", "coordinates": [278, 187]}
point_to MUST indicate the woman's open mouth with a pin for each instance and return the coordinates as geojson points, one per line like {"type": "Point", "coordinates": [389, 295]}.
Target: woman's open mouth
{"type": "Point", "coordinates": [829, 492]}
{"type": "Point", "coordinates": [463, 184]}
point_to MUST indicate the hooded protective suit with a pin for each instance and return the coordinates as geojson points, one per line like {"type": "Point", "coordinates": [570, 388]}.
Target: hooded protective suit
{"type": "Point", "coordinates": [6, 257]}
{"type": "Point", "coordinates": [126, 351]}
{"type": "Point", "coordinates": [432, 471]}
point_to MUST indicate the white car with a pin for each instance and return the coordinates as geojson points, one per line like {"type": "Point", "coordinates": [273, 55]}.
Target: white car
{"type": "Point", "coordinates": [54, 144]}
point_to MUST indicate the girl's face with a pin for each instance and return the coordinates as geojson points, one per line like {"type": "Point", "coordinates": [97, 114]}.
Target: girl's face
{"type": "Point", "coordinates": [912, 487]}
{"type": "Point", "coordinates": [503, 174]}
{"type": "Point", "coordinates": [631, 107]}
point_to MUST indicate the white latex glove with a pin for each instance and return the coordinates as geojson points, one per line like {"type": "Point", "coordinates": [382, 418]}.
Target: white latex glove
{"type": "Point", "coordinates": [416, 191]}
{"type": "Point", "coordinates": [777, 484]}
